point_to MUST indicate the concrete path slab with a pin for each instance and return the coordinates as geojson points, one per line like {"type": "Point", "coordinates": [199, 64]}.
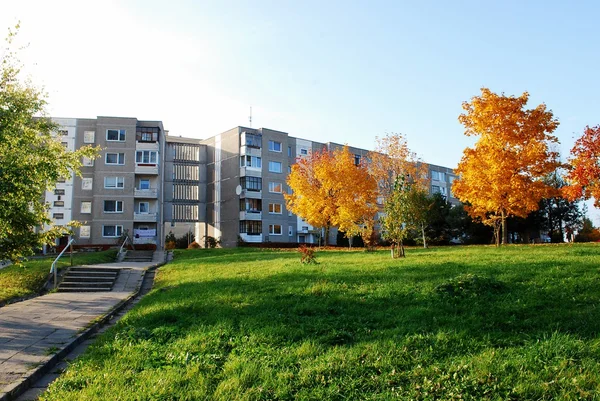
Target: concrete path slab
{"type": "Point", "coordinates": [35, 332]}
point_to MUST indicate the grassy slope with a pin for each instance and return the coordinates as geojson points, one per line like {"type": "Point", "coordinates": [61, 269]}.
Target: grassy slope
{"type": "Point", "coordinates": [23, 281]}
{"type": "Point", "coordinates": [250, 324]}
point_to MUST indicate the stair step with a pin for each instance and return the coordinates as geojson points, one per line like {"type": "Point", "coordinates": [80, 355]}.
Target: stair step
{"type": "Point", "coordinates": [83, 289]}
{"type": "Point", "coordinates": [90, 285]}
{"type": "Point", "coordinates": [80, 279]}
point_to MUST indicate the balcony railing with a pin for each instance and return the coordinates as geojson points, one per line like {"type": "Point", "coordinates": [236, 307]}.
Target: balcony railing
{"type": "Point", "coordinates": [145, 193]}
{"type": "Point", "coordinates": [151, 169]}
{"type": "Point", "coordinates": [144, 217]}
{"type": "Point", "coordinates": [245, 215]}
{"type": "Point", "coordinates": [144, 240]}
{"type": "Point", "coordinates": [140, 145]}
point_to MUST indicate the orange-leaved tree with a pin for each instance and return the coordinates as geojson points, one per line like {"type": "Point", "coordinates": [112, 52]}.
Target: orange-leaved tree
{"type": "Point", "coordinates": [329, 190]}
{"type": "Point", "coordinates": [391, 159]}
{"type": "Point", "coordinates": [502, 175]}
{"type": "Point", "coordinates": [583, 178]}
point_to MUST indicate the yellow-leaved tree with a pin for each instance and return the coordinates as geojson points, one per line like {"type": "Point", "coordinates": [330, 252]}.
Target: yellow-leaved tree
{"type": "Point", "coordinates": [329, 190]}
{"type": "Point", "coordinates": [502, 175]}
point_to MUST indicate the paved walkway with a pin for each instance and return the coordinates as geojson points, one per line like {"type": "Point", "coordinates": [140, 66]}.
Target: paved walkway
{"type": "Point", "coordinates": [34, 333]}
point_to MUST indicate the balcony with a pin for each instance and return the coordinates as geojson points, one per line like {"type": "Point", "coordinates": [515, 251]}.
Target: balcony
{"type": "Point", "coordinates": [250, 151]}
{"type": "Point", "coordinates": [251, 238]}
{"type": "Point", "coordinates": [145, 193]}
{"type": "Point", "coordinates": [250, 194]}
{"type": "Point", "coordinates": [149, 169]}
{"type": "Point", "coordinates": [246, 215]}
{"type": "Point", "coordinates": [144, 240]}
{"type": "Point", "coordinates": [146, 146]}
{"type": "Point", "coordinates": [251, 171]}
{"type": "Point", "coordinates": [144, 218]}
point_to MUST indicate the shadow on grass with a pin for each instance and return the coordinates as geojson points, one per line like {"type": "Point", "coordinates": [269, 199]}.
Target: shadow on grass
{"type": "Point", "coordinates": [342, 308]}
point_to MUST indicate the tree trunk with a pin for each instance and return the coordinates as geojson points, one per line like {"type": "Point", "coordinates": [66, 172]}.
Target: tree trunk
{"type": "Point", "coordinates": [504, 232]}
{"type": "Point", "coordinates": [423, 233]}
{"type": "Point", "coordinates": [350, 241]}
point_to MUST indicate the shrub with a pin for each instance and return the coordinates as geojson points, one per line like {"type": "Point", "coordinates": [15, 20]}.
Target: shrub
{"type": "Point", "coordinates": [170, 245]}
{"type": "Point", "coordinates": [307, 255]}
{"type": "Point", "coordinates": [194, 245]}
{"type": "Point", "coordinates": [469, 285]}
{"type": "Point", "coordinates": [211, 242]}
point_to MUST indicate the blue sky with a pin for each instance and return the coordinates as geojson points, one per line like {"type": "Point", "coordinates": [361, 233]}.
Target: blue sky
{"type": "Point", "coordinates": [323, 70]}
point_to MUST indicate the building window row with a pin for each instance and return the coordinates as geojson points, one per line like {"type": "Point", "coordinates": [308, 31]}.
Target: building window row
{"type": "Point", "coordinates": [253, 140]}
{"type": "Point", "coordinates": [112, 231]}
{"type": "Point", "coordinates": [251, 183]}
{"type": "Point", "coordinates": [274, 167]}
{"type": "Point", "coordinates": [146, 157]}
{"type": "Point", "coordinates": [146, 134]}
{"type": "Point", "coordinates": [251, 205]}
{"type": "Point", "coordinates": [113, 206]}
{"type": "Point", "coordinates": [250, 161]}
{"type": "Point", "coordinates": [185, 212]}
{"type": "Point", "coordinates": [114, 182]}
{"type": "Point", "coordinates": [275, 208]}
{"type": "Point", "coordinates": [115, 158]}
{"type": "Point", "coordinates": [115, 135]}
{"type": "Point", "coordinates": [274, 146]}
{"type": "Point", "coordinates": [186, 192]}
{"type": "Point", "coordinates": [250, 227]}
{"type": "Point", "coordinates": [275, 187]}
{"type": "Point", "coordinates": [186, 172]}
{"type": "Point", "coordinates": [188, 152]}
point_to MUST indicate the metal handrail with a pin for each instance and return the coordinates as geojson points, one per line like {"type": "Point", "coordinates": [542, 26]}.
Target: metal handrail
{"type": "Point", "coordinates": [53, 267]}
{"type": "Point", "coordinates": [127, 239]}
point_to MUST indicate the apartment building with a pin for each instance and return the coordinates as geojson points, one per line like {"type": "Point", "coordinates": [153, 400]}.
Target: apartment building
{"type": "Point", "coordinates": [147, 183]}
{"type": "Point", "coordinates": [247, 170]}
{"type": "Point", "coordinates": [118, 192]}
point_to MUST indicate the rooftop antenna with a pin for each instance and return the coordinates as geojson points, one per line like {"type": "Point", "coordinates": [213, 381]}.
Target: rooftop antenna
{"type": "Point", "coordinates": [250, 118]}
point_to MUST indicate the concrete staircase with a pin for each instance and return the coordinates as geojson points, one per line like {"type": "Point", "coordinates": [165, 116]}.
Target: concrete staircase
{"type": "Point", "coordinates": [88, 279]}
{"type": "Point", "coordinates": [138, 256]}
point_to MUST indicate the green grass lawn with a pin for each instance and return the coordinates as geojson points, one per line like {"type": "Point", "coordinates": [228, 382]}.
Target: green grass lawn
{"type": "Point", "coordinates": [454, 323]}
{"type": "Point", "coordinates": [29, 279]}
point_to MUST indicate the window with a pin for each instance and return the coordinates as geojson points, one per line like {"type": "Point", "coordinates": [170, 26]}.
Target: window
{"type": "Point", "coordinates": [87, 183]}
{"type": "Point", "coordinates": [65, 144]}
{"type": "Point", "coordinates": [115, 135]}
{"type": "Point", "coordinates": [253, 141]}
{"type": "Point", "coordinates": [144, 183]}
{"type": "Point", "coordinates": [59, 203]}
{"type": "Point", "coordinates": [437, 175]}
{"type": "Point", "coordinates": [59, 192]}
{"type": "Point", "coordinates": [113, 206]}
{"type": "Point", "coordinates": [289, 169]}
{"type": "Point", "coordinates": [63, 132]}
{"type": "Point", "coordinates": [250, 227]}
{"type": "Point", "coordinates": [250, 205]}
{"type": "Point", "coordinates": [275, 208]}
{"type": "Point", "coordinates": [115, 158]}
{"type": "Point", "coordinates": [289, 151]}
{"type": "Point", "coordinates": [146, 157]}
{"type": "Point", "coordinates": [61, 180]}
{"type": "Point", "coordinates": [144, 207]}
{"type": "Point", "coordinates": [89, 136]}
{"type": "Point", "coordinates": [114, 182]}
{"type": "Point", "coordinates": [275, 167]}
{"type": "Point", "coordinates": [84, 232]}
{"type": "Point", "coordinates": [146, 134]}
{"type": "Point", "coordinates": [251, 183]}
{"type": "Point", "coordinates": [291, 231]}
{"type": "Point", "coordinates": [87, 162]}
{"type": "Point", "coordinates": [435, 189]}
{"type": "Point", "coordinates": [275, 187]}
{"type": "Point", "coordinates": [250, 161]}
{"type": "Point", "coordinates": [356, 160]}
{"type": "Point", "coordinates": [112, 231]}
{"type": "Point", "coordinates": [303, 151]}
{"type": "Point", "coordinates": [58, 216]}
{"type": "Point", "coordinates": [274, 146]}
{"type": "Point", "coordinates": [86, 207]}
{"type": "Point", "coordinates": [274, 229]}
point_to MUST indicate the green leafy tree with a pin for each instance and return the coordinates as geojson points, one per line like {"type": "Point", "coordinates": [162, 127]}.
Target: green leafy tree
{"type": "Point", "coordinates": [393, 224]}
{"type": "Point", "coordinates": [31, 161]}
